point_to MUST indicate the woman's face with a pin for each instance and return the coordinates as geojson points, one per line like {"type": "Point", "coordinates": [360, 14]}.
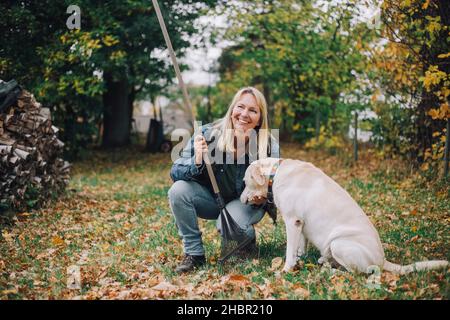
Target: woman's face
{"type": "Point", "coordinates": [246, 114]}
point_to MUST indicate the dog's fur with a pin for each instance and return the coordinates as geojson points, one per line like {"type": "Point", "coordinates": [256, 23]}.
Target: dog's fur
{"type": "Point", "coordinates": [316, 209]}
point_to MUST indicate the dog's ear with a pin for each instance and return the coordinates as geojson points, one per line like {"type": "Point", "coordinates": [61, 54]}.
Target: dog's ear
{"type": "Point", "coordinates": [257, 175]}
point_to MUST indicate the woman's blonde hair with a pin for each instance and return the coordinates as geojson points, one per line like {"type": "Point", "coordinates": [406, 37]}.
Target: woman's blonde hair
{"type": "Point", "coordinates": [225, 142]}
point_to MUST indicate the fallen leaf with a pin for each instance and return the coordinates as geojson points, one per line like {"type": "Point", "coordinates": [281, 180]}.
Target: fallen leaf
{"type": "Point", "coordinates": [390, 279]}
{"type": "Point", "coordinates": [8, 236]}
{"type": "Point", "coordinates": [57, 241]}
{"type": "Point", "coordinates": [276, 263]}
{"type": "Point", "coordinates": [413, 239]}
{"type": "Point", "coordinates": [299, 290]}
{"type": "Point", "coordinates": [10, 291]}
{"type": "Point", "coordinates": [164, 286]}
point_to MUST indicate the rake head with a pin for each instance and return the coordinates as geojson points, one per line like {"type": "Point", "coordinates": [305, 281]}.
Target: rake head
{"type": "Point", "coordinates": [234, 237]}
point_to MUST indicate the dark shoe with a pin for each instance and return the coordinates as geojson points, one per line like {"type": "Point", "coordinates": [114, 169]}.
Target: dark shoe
{"type": "Point", "coordinates": [189, 263]}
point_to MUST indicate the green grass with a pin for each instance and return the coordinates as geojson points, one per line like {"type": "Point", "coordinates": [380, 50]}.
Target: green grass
{"type": "Point", "coordinates": [115, 223]}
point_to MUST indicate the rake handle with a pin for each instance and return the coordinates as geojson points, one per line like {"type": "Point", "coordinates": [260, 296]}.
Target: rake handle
{"type": "Point", "coordinates": [185, 93]}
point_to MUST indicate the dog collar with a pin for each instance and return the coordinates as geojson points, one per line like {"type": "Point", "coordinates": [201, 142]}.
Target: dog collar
{"type": "Point", "coordinates": [273, 171]}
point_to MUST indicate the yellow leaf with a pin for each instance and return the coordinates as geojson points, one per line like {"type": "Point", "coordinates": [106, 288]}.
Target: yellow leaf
{"type": "Point", "coordinates": [57, 241]}
{"type": "Point", "coordinates": [7, 236]}
{"type": "Point", "coordinates": [434, 114]}
{"type": "Point", "coordinates": [109, 41]}
{"type": "Point", "coordinates": [444, 55]}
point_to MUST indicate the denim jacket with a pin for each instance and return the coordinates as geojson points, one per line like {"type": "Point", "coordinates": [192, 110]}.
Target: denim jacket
{"type": "Point", "coordinates": [185, 168]}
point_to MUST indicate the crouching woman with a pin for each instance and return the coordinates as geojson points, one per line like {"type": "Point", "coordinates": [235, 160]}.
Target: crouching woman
{"type": "Point", "coordinates": [235, 140]}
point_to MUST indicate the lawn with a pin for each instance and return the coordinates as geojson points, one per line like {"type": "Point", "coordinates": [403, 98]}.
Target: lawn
{"type": "Point", "coordinates": [114, 224]}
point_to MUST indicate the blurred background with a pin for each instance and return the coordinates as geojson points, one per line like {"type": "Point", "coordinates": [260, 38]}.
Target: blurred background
{"type": "Point", "coordinates": [328, 69]}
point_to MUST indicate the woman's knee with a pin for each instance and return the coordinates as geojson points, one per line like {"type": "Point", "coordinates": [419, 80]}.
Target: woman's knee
{"type": "Point", "coordinates": [179, 190]}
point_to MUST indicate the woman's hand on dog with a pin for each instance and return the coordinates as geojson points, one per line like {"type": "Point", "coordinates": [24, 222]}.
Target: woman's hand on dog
{"type": "Point", "coordinates": [258, 200]}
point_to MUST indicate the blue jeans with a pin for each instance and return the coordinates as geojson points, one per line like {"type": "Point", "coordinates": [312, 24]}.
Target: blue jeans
{"type": "Point", "coordinates": [189, 200]}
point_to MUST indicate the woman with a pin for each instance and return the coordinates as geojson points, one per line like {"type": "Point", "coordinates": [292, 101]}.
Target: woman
{"type": "Point", "coordinates": [191, 195]}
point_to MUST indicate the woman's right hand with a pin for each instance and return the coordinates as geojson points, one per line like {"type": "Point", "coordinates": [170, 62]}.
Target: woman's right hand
{"type": "Point", "coordinates": [200, 146]}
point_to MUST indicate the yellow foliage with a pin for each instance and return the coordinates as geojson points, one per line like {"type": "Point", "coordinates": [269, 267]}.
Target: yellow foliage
{"type": "Point", "coordinates": [433, 26]}
{"type": "Point", "coordinates": [433, 76]}
{"type": "Point", "coordinates": [325, 141]}
{"type": "Point", "coordinates": [442, 113]}
{"type": "Point", "coordinates": [116, 55]}
{"type": "Point", "coordinates": [444, 55]}
{"type": "Point", "coordinates": [406, 3]}
{"type": "Point", "coordinates": [109, 40]}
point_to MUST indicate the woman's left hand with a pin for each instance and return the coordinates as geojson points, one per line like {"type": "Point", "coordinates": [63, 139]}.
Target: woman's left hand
{"type": "Point", "coordinates": [258, 200]}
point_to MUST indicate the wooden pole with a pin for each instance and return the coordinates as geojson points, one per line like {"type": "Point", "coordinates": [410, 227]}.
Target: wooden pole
{"type": "Point", "coordinates": [185, 93]}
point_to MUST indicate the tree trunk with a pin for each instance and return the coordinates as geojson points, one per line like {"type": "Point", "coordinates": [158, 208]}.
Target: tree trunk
{"type": "Point", "coordinates": [131, 97]}
{"type": "Point", "coordinates": [425, 125]}
{"type": "Point", "coordinates": [209, 105]}
{"type": "Point", "coordinates": [116, 112]}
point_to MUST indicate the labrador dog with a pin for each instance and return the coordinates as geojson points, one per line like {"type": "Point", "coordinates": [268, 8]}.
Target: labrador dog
{"type": "Point", "coordinates": [316, 209]}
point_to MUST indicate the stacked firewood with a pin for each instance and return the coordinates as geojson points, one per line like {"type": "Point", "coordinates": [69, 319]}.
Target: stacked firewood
{"type": "Point", "coordinates": [31, 168]}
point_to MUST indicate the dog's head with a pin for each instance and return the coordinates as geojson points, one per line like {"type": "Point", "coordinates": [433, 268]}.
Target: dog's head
{"type": "Point", "coordinates": [257, 179]}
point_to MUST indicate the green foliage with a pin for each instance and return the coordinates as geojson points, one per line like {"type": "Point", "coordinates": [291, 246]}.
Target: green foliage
{"type": "Point", "coordinates": [64, 68]}
{"type": "Point", "coordinates": [301, 55]}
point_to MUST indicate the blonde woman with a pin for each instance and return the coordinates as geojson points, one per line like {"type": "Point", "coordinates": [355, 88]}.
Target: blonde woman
{"type": "Point", "coordinates": [233, 142]}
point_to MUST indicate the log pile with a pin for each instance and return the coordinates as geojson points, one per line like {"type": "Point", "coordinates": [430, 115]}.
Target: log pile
{"type": "Point", "coordinates": [31, 168]}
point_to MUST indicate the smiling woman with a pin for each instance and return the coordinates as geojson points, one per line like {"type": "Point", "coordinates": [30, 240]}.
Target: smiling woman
{"type": "Point", "coordinates": [229, 140]}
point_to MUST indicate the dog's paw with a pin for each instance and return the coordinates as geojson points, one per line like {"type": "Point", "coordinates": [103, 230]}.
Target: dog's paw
{"type": "Point", "coordinates": [287, 269]}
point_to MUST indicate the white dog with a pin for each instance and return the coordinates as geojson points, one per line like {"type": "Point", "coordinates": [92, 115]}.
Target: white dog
{"type": "Point", "coordinates": [317, 209]}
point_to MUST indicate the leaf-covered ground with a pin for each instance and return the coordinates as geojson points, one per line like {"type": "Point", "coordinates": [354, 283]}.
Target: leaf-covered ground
{"type": "Point", "coordinates": [114, 224]}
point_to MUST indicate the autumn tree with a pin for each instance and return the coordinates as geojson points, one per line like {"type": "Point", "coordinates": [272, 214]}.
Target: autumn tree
{"type": "Point", "coordinates": [415, 66]}
{"type": "Point", "coordinates": [95, 73]}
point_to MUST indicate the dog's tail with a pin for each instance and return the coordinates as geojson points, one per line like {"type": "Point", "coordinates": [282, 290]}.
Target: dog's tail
{"type": "Point", "coordinates": [417, 266]}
